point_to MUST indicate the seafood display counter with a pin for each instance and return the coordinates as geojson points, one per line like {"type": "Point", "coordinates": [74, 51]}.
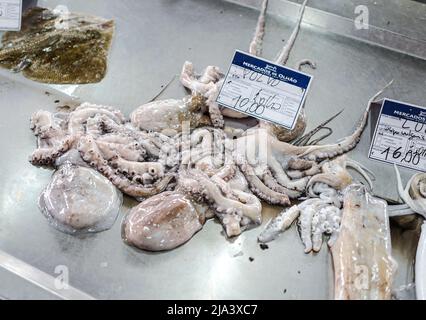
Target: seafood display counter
{"type": "Point", "coordinates": [151, 42]}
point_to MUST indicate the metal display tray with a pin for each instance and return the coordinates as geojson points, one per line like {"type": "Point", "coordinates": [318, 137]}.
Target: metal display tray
{"type": "Point", "coordinates": [151, 42]}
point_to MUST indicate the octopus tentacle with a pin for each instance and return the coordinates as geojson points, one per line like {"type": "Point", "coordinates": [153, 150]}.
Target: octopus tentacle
{"type": "Point", "coordinates": [305, 220]}
{"type": "Point", "coordinates": [189, 80]}
{"type": "Point", "coordinates": [414, 194]}
{"type": "Point", "coordinates": [129, 152]}
{"type": "Point", "coordinates": [346, 144]}
{"type": "Point", "coordinates": [285, 51]}
{"type": "Point", "coordinates": [280, 223]}
{"type": "Point", "coordinates": [305, 62]}
{"type": "Point", "coordinates": [43, 122]}
{"type": "Point", "coordinates": [298, 168]}
{"type": "Point", "coordinates": [230, 210]}
{"type": "Point", "coordinates": [147, 142]}
{"type": "Point", "coordinates": [215, 114]}
{"type": "Point", "coordinates": [93, 127]}
{"type": "Point", "coordinates": [282, 178]}
{"type": "Point", "coordinates": [207, 85]}
{"type": "Point", "coordinates": [334, 174]}
{"type": "Point", "coordinates": [117, 113]}
{"type": "Point", "coordinates": [260, 189]}
{"type": "Point", "coordinates": [155, 170]}
{"type": "Point", "coordinates": [255, 47]}
{"type": "Point", "coordinates": [325, 221]}
{"type": "Point", "coordinates": [305, 139]}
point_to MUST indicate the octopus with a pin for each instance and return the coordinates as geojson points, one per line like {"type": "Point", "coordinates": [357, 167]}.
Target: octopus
{"type": "Point", "coordinates": [162, 222]}
{"type": "Point", "coordinates": [59, 48]}
{"type": "Point", "coordinates": [80, 200]}
{"type": "Point", "coordinates": [363, 265]}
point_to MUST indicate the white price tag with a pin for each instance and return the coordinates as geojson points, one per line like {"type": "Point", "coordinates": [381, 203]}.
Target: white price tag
{"type": "Point", "coordinates": [10, 15]}
{"type": "Point", "coordinates": [400, 135]}
{"type": "Point", "coordinates": [264, 90]}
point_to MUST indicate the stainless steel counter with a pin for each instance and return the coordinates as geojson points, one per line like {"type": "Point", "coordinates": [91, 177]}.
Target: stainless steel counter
{"type": "Point", "coordinates": [152, 40]}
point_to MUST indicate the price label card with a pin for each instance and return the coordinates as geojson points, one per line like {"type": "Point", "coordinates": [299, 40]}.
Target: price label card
{"type": "Point", "coordinates": [264, 90]}
{"type": "Point", "coordinates": [400, 135]}
{"type": "Point", "coordinates": [10, 15]}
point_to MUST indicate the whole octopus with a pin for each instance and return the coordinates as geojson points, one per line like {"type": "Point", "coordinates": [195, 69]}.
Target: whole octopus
{"type": "Point", "coordinates": [185, 165]}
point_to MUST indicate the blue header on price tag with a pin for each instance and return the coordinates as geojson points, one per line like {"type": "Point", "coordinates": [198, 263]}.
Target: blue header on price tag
{"type": "Point", "coordinates": [271, 70]}
{"type": "Point", "coordinates": [404, 111]}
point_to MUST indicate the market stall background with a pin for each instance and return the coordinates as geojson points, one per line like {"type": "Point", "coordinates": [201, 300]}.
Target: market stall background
{"type": "Point", "coordinates": [151, 42]}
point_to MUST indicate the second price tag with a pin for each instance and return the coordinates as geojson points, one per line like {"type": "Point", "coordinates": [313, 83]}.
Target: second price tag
{"type": "Point", "coordinates": [264, 90]}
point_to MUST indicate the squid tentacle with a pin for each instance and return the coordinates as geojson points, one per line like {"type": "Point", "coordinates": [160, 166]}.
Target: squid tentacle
{"type": "Point", "coordinates": [346, 144]}
{"type": "Point", "coordinates": [255, 47]}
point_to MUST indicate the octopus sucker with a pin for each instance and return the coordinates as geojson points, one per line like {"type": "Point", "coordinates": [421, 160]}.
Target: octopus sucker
{"type": "Point", "coordinates": [363, 265]}
{"type": "Point", "coordinates": [58, 48]}
{"type": "Point", "coordinates": [80, 200]}
{"type": "Point", "coordinates": [284, 54]}
{"type": "Point", "coordinates": [90, 153]}
{"type": "Point", "coordinates": [203, 164]}
{"type": "Point", "coordinates": [162, 222]}
{"type": "Point", "coordinates": [420, 265]}
{"type": "Point", "coordinates": [269, 180]}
